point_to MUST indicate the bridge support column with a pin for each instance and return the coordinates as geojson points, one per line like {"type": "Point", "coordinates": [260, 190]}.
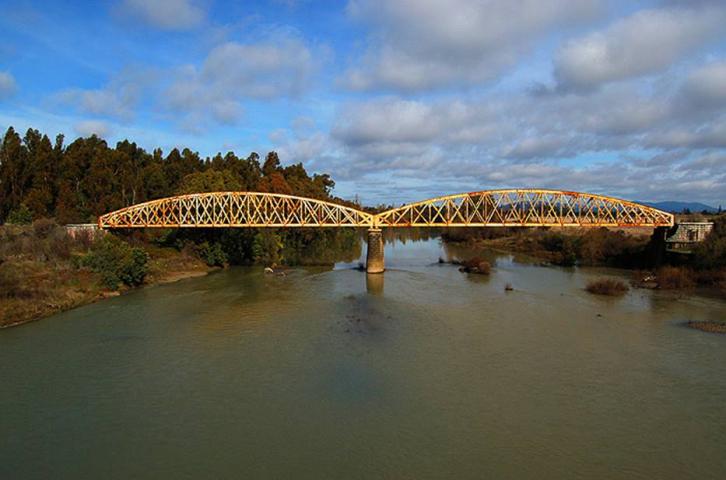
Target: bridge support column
{"type": "Point", "coordinates": [374, 257]}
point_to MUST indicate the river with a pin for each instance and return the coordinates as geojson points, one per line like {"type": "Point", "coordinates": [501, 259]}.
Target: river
{"type": "Point", "coordinates": [423, 372]}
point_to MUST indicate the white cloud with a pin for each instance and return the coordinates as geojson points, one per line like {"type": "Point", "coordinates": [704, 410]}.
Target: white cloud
{"type": "Point", "coordinates": [8, 87]}
{"type": "Point", "coordinates": [387, 120]}
{"type": "Point", "coordinates": [233, 72]}
{"type": "Point", "coordinates": [118, 99]}
{"type": "Point", "coordinates": [86, 128]}
{"type": "Point", "coordinates": [646, 42]}
{"type": "Point", "coordinates": [166, 14]}
{"type": "Point", "coordinates": [424, 44]}
{"type": "Point", "coordinates": [471, 141]}
{"type": "Point", "coordinates": [280, 65]}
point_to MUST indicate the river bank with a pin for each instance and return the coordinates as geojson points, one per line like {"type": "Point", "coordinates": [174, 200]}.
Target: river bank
{"type": "Point", "coordinates": [71, 289]}
{"type": "Point", "coordinates": [42, 272]}
{"type": "Point", "coordinates": [634, 251]}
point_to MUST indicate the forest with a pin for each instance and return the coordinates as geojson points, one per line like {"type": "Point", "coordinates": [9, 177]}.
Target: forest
{"type": "Point", "coordinates": [46, 184]}
{"type": "Point", "coordinates": [77, 182]}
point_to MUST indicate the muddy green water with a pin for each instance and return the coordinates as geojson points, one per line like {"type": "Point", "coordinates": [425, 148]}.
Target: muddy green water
{"type": "Point", "coordinates": [423, 372]}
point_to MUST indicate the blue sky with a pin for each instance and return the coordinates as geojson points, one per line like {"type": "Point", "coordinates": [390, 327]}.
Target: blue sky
{"type": "Point", "coordinates": [398, 100]}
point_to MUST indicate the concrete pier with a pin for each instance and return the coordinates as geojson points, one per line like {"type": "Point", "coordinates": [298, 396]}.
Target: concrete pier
{"type": "Point", "coordinates": [374, 257]}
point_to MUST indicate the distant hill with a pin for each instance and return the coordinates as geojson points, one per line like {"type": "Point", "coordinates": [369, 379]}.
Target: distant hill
{"type": "Point", "coordinates": [678, 207]}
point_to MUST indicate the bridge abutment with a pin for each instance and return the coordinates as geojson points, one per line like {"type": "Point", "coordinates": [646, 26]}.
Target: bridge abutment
{"type": "Point", "coordinates": [374, 257]}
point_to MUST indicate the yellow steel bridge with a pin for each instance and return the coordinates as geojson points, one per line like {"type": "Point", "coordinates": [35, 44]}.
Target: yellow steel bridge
{"type": "Point", "coordinates": [488, 208]}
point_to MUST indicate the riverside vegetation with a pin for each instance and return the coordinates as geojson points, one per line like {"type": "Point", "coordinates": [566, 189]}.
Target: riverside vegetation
{"type": "Point", "coordinates": [45, 184]}
{"type": "Point", "coordinates": [706, 266]}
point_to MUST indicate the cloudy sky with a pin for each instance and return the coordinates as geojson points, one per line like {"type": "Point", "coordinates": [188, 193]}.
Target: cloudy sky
{"type": "Point", "coordinates": [398, 99]}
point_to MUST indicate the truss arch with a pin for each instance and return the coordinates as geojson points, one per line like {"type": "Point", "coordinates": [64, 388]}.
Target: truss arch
{"type": "Point", "coordinates": [524, 208]}
{"type": "Point", "coordinates": [235, 209]}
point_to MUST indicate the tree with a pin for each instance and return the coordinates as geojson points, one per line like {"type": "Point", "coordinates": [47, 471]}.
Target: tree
{"type": "Point", "coordinates": [209, 181]}
{"type": "Point", "coordinates": [20, 216]}
{"type": "Point", "coordinates": [42, 170]}
{"type": "Point", "coordinates": [87, 178]}
{"type": "Point", "coordinates": [267, 247]}
{"type": "Point", "coordinates": [711, 253]}
{"type": "Point", "coordinates": [275, 183]}
{"type": "Point", "coordinates": [271, 165]}
{"type": "Point", "coordinates": [13, 174]}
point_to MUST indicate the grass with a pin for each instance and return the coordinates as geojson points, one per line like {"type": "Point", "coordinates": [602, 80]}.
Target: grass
{"type": "Point", "coordinates": [675, 278]}
{"type": "Point", "coordinates": [607, 286]}
{"type": "Point", "coordinates": [42, 272]}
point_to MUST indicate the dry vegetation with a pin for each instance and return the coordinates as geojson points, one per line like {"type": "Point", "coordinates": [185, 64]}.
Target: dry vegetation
{"type": "Point", "coordinates": [706, 267]}
{"type": "Point", "coordinates": [37, 272]}
{"type": "Point", "coordinates": [564, 247]}
{"type": "Point", "coordinates": [44, 271]}
{"type": "Point", "coordinates": [476, 265]}
{"type": "Point", "coordinates": [607, 286]}
{"type": "Point", "coordinates": [675, 278]}
{"type": "Point", "coordinates": [711, 327]}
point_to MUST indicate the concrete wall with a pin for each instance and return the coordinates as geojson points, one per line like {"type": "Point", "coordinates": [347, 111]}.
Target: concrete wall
{"type": "Point", "coordinates": [91, 229]}
{"type": "Point", "coordinates": [688, 233]}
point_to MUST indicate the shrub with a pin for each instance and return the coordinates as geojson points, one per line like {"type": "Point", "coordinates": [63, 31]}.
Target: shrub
{"type": "Point", "coordinates": [674, 278]}
{"type": "Point", "coordinates": [43, 227]}
{"type": "Point", "coordinates": [476, 265]}
{"type": "Point", "coordinates": [10, 281]}
{"type": "Point", "coordinates": [602, 246]}
{"type": "Point", "coordinates": [607, 286]}
{"type": "Point", "coordinates": [20, 216]}
{"type": "Point", "coordinates": [267, 248]}
{"type": "Point", "coordinates": [212, 254]}
{"type": "Point", "coordinates": [711, 253]}
{"type": "Point", "coordinates": [58, 244]}
{"type": "Point", "coordinates": [563, 247]}
{"type": "Point", "coordinates": [117, 262]}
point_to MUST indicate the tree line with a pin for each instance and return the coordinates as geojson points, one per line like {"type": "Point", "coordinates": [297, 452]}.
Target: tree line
{"type": "Point", "coordinates": [78, 182]}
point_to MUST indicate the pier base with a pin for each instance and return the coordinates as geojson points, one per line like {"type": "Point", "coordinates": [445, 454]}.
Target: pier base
{"type": "Point", "coordinates": [374, 257]}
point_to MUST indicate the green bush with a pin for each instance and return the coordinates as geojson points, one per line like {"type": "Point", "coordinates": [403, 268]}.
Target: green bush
{"type": "Point", "coordinates": [117, 262]}
{"type": "Point", "coordinates": [213, 254]}
{"type": "Point", "coordinates": [20, 216]}
{"type": "Point", "coordinates": [267, 248]}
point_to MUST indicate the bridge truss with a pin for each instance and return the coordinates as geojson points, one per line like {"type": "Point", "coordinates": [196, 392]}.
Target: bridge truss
{"type": "Point", "coordinates": [235, 209]}
{"type": "Point", "coordinates": [524, 208]}
{"type": "Point", "coordinates": [489, 208]}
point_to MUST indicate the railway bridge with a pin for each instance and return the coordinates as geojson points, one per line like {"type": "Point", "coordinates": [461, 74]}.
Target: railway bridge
{"type": "Point", "coordinates": [487, 208]}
